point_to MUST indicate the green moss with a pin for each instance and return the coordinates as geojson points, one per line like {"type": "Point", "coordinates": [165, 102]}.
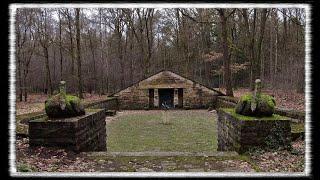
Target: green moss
{"type": "Point", "coordinates": [70, 98]}
{"type": "Point", "coordinates": [297, 127]}
{"type": "Point", "coordinates": [22, 129]}
{"type": "Point", "coordinates": [72, 106]}
{"type": "Point", "coordinates": [44, 119]}
{"type": "Point", "coordinates": [93, 110]}
{"type": "Point", "coordinates": [25, 168]}
{"type": "Point", "coordinates": [265, 105]}
{"type": "Point", "coordinates": [263, 97]}
{"type": "Point", "coordinates": [269, 99]}
{"type": "Point", "coordinates": [232, 112]}
{"type": "Point", "coordinates": [246, 97]}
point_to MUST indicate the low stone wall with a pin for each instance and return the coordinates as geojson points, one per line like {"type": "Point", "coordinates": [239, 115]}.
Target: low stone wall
{"type": "Point", "coordinates": [224, 102]}
{"type": "Point", "coordinates": [108, 104]}
{"type": "Point", "coordinates": [83, 133]}
{"type": "Point", "coordinates": [230, 102]}
{"type": "Point", "coordinates": [241, 135]}
{"type": "Point", "coordinates": [291, 113]}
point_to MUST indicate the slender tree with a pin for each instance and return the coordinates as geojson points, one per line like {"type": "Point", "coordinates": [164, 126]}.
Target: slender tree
{"type": "Point", "coordinates": [78, 52]}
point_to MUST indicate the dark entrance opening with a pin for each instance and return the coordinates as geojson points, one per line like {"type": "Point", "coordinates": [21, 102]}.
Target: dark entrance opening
{"type": "Point", "coordinates": [151, 98]}
{"type": "Point", "coordinates": [166, 95]}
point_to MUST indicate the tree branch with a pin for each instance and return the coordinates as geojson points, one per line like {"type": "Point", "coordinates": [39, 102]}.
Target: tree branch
{"type": "Point", "coordinates": [193, 19]}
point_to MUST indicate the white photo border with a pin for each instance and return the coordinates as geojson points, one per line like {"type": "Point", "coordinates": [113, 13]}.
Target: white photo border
{"type": "Point", "coordinates": [12, 95]}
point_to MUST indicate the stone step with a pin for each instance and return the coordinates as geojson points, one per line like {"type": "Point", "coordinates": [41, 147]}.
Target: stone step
{"type": "Point", "coordinates": [163, 154]}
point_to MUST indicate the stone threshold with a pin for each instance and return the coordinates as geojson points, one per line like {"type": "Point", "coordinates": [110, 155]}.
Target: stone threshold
{"type": "Point", "coordinates": [164, 154]}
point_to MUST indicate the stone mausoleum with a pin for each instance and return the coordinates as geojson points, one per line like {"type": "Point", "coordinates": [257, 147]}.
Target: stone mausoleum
{"type": "Point", "coordinates": [166, 87]}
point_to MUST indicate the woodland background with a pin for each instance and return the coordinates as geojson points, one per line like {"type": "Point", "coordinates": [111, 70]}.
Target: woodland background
{"type": "Point", "coordinates": [104, 50]}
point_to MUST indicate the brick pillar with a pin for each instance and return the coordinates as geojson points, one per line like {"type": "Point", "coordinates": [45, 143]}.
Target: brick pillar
{"type": "Point", "coordinates": [175, 98]}
{"type": "Point", "coordinates": [156, 98]}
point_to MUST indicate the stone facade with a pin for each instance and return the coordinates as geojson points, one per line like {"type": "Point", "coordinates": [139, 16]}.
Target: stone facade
{"type": "Point", "coordinates": [240, 135]}
{"type": "Point", "coordinates": [81, 133]}
{"type": "Point", "coordinates": [194, 95]}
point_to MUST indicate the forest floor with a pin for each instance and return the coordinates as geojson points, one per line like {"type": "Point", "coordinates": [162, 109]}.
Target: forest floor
{"type": "Point", "coordinates": [49, 159]}
{"type": "Point", "coordinates": [284, 98]}
{"type": "Point", "coordinates": [35, 102]}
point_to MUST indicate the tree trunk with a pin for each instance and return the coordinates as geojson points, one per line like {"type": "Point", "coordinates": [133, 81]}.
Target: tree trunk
{"type": "Point", "coordinates": [20, 78]}
{"type": "Point", "coordinates": [252, 62]}
{"type": "Point", "coordinates": [71, 43]}
{"type": "Point", "coordinates": [79, 53]}
{"type": "Point", "coordinates": [271, 47]}
{"type": "Point", "coordinates": [60, 47]}
{"type": "Point", "coordinates": [250, 42]}
{"type": "Point", "coordinates": [227, 72]}
{"type": "Point", "coordinates": [18, 54]}
{"type": "Point", "coordinates": [48, 76]}
{"type": "Point", "coordinates": [94, 62]}
{"type": "Point", "coordinates": [258, 60]}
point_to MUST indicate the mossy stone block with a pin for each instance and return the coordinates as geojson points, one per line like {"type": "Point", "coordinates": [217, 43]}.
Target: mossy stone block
{"type": "Point", "coordinates": [265, 105]}
{"type": "Point", "coordinates": [64, 106]}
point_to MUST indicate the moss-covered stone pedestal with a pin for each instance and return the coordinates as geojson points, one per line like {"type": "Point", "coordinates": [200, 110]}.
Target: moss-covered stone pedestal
{"type": "Point", "coordinates": [240, 133]}
{"type": "Point", "coordinates": [80, 133]}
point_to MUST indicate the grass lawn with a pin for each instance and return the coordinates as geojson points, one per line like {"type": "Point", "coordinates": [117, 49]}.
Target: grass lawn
{"type": "Point", "coordinates": [188, 131]}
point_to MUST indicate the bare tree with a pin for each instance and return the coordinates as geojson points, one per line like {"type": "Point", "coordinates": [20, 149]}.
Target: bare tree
{"type": "Point", "coordinates": [224, 30]}
{"type": "Point", "coordinates": [78, 53]}
{"type": "Point", "coordinates": [45, 41]}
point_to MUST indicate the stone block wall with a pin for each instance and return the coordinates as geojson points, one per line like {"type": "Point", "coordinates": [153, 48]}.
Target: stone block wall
{"type": "Point", "coordinates": [241, 135]}
{"type": "Point", "coordinates": [108, 104]}
{"type": "Point", "coordinates": [82, 133]}
{"type": "Point", "coordinates": [195, 95]}
{"type": "Point", "coordinates": [133, 98]}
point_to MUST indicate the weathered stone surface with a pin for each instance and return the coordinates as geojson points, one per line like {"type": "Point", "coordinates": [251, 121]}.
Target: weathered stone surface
{"type": "Point", "coordinates": [223, 102]}
{"type": "Point", "coordinates": [82, 133]}
{"type": "Point", "coordinates": [108, 104]}
{"type": "Point", "coordinates": [241, 135]}
{"type": "Point", "coordinates": [195, 95]}
{"type": "Point", "coordinates": [264, 105]}
{"type": "Point", "coordinates": [64, 106]}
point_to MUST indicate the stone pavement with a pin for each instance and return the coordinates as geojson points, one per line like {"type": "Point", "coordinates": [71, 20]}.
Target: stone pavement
{"type": "Point", "coordinates": [170, 162]}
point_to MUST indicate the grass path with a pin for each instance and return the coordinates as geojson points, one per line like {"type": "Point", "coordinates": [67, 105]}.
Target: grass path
{"type": "Point", "coordinates": [187, 131]}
